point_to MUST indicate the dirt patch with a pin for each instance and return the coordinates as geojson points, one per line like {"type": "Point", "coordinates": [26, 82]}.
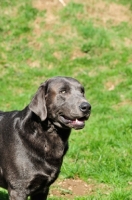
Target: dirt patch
{"type": "Point", "coordinates": [94, 72]}
{"type": "Point", "coordinates": [37, 29]}
{"type": "Point", "coordinates": [57, 55]}
{"type": "Point", "coordinates": [70, 188]}
{"type": "Point", "coordinates": [50, 6]}
{"type": "Point", "coordinates": [111, 84]}
{"type": "Point", "coordinates": [77, 53]}
{"type": "Point", "coordinates": [123, 104]}
{"type": "Point", "coordinates": [128, 42]}
{"type": "Point", "coordinates": [112, 12]}
{"type": "Point", "coordinates": [104, 13]}
{"type": "Point", "coordinates": [33, 64]}
{"type": "Point", "coordinates": [100, 12]}
{"type": "Point", "coordinates": [45, 4]}
{"type": "Point", "coordinates": [9, 11]}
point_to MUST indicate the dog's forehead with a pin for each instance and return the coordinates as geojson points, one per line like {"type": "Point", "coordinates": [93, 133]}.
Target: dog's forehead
{"type": "Point", "coordinates": [59, 82]}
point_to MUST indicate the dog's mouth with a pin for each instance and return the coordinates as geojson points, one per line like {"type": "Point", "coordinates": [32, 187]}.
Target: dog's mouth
{"type": "Point", "coordinates": [77, 123]}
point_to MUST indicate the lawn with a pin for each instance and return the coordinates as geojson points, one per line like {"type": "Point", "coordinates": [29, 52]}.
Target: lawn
{"type": "Point", "coordinates": [92, 42]}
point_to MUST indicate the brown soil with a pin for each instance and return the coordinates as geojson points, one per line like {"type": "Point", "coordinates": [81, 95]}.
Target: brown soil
{"type": "Point", "coordinates": [122, 104]}
{"type": "Point", "coordinates": [101, 11]}
{"type": "Point", "coordinates": [105, 13]}
{"type": "Point", "coordinates": [48, 5]}
{"type": "Point", "coordinates": [110, 85]}
{"type": "Point", "coordinates": [70, 188]}
{"type": "Point", "coordinates": [51, 7]}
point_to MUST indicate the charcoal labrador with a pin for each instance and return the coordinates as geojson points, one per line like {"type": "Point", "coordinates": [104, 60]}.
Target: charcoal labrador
{"type": "Point", "coordinates": [33, 141]}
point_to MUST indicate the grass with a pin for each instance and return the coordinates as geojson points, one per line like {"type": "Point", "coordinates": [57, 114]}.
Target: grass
{"type": "Point", "coordinates": [37, 43]}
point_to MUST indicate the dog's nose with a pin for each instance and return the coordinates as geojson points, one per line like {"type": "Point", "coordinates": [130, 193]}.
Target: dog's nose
{"type": "Point", "coordinates": [85, 107]}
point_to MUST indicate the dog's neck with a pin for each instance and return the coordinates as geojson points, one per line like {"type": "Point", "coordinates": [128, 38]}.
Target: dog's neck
{"type": "Point", "coordinates": [51, 128]}
{"type": "Point", "coordinates": [54, 140]}
{"type": "Point", "coordinates": [35, 128]}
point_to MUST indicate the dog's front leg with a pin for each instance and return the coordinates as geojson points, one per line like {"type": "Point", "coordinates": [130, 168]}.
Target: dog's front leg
{"type": "Point", "coordinates": [40, 196]}
{"type": "Point", "coordinates": [17, 195]}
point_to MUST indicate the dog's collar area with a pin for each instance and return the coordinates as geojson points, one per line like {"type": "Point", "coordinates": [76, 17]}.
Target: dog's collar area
{"type": "Point", "coordinates": [50, 126]}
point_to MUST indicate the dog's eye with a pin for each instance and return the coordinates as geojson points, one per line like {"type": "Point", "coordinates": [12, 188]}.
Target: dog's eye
{"type": "Point", "coordinates": [63, 91]}
{"type": "Point", "coordinates": [82, 90]}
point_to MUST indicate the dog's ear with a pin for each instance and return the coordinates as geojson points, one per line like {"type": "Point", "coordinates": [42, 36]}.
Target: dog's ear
{"type": "Point", "coordinates": [38, 103]}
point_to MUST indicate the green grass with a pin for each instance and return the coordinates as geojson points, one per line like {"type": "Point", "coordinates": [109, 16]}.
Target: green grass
{"type": "Point", "coordinates": [32, 49]}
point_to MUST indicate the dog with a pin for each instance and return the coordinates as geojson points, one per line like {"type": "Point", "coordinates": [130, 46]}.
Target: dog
{"type": "Point", "coordinates": [33, 141]}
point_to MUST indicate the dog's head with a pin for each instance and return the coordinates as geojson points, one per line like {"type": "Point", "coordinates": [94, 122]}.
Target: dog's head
{"type": "Point", "coordinates": [62, 101]}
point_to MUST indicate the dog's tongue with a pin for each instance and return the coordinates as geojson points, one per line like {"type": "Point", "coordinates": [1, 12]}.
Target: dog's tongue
{"type": "Point", "coordinates": [78, 122]}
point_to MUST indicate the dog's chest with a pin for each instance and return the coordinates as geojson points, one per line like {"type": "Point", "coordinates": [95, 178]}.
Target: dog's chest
{"type": "Point", "coordinates": [41, 180]}
{"type": "Point", "coordinates": [54, 148]}
{"type": "Point", "coordinates": [49, 163]}
{"type": "Point", "coordinates": [47, 159]}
